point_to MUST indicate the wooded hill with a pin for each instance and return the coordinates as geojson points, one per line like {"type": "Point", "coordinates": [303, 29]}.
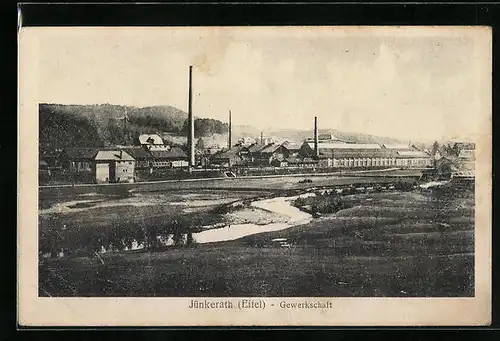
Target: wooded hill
{"type": "Point", "coordinates": [106, 124]}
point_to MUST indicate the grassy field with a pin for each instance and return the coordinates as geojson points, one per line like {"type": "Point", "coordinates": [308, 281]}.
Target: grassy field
{"type": "Point", "coordinates": [397, 244]}
{"type": "Point", "coordinates": [83, 223]}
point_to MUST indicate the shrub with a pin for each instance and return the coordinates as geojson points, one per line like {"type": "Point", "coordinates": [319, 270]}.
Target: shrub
{"type": "Point", "coordinates": [403, 186]}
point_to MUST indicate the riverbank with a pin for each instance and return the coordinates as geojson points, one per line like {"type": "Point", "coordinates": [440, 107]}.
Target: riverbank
{"type": "Point", "coordinates": [384, 244]}
{"type": "Point", "coordinates": [86, 223]}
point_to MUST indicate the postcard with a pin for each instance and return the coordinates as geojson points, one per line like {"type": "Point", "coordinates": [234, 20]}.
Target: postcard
{"type": "Point", "coordinates": [254, 176]}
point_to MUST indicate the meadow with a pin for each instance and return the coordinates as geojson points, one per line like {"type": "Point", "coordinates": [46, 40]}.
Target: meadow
{"type": "Point", "coordinates": [387, 244]}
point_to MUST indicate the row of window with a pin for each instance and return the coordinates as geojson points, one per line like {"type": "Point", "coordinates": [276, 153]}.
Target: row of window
{"type": "Point", "coordinates": [161, 163]}
{"type": "Point", "coordinates": [380, 162]}
{"type": "Point", "coordinates": [364, 162]}
{"type": "Point", "coordinates": [86, 165]}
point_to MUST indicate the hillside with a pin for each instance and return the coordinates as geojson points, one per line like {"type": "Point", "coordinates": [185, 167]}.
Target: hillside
{"type": "Point", "coordinates": [299, 136]}
{"type": "Point", "coordinates": [105, 124]}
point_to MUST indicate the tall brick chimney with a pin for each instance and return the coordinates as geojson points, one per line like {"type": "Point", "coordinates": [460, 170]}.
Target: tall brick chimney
{"type": "Point", "coordinates": [191, 121]}
{"type": "Point", "coordinates": [230, 128]}
{"type": "Point", "coordinates": [316, 150]}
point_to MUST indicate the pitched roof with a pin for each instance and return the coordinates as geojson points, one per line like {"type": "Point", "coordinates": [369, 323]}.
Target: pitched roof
{"type": "Point", "coordinates": [173, 153]}
{"type": "Point", "coordinates": [150, 139]}
{"type": "Point", "coordinates": [326, 145]}
{"type": "Point", "coordinates": [271, 148]}
{"type": "Point", "coordinates": [397, 146]}
{"type": "Point", "coordinates": [228, 153]}
{"type": "Point", "coordinates": [292, 146]}
{"type": "Point", "coordinates": [254, 148]}
{"type": "Point", "coordinates": [411, 153]}
{"type": "Point", "coordinates": [113, 155]}
{"type": "Point", "coordinates": [357, 153]}
{"type": "Point", "coordinates": [138, 153]}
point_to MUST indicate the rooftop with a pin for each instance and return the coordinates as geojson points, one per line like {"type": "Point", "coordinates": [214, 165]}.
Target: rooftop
{"type": "Point", "coordinates": [271, 148]}
{"type": "Point", "coordinates": [411, 153]}
{"type": "Point", "coordinates": [326, 145]}
{"type": "Point", "coordinates": [396, 146]}
{"type": "Point", "coordinates": [113, 155]}
{"type": "Point", "coordinates": [173, 153]}
{"type": "Point", "coordinates": [137, 152]}
{"type": "Point", "coordinates": [150, 139]}
{"type": "Point", "coordinates": [358, 153]}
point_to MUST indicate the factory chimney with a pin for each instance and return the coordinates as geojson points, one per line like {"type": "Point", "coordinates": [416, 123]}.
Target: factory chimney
{"type": "Point", "coordinates": [191, 121]}
{"type": "Point", "coordinates": [261, 138]}
{"type": "Point", "coordinates": [229, 141]}
{"type": "Point", "coordinates": [316, 150]}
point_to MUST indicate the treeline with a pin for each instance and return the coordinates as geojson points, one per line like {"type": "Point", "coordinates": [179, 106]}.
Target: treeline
{"type": "Point", "coordinates": [206, 127]}
{"type": "Point", "coordinates": [58, 130]}
{"type": "Point", "coordinates": [105, 124]}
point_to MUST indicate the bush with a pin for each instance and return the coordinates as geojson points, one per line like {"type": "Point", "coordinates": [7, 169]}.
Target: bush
{"type": "Point", "coordinates": [299, 202]}
{"type": "Point", "coordinates": [404, 186]}
{"type": "Point", "coordinates": [321, 203]}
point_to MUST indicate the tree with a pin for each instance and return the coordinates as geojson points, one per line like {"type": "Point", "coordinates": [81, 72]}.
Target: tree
{"type": "Point", "coordinates": [200, 145]}
{"type": "Point", "coordinates": [435, 148]}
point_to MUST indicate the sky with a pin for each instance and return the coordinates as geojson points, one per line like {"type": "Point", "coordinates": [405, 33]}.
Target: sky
{"type": "Point", "coordinates": [402, 83]}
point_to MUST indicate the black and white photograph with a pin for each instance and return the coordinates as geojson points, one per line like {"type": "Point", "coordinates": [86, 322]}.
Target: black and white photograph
{"type": "Point", "coordinates": [225, 166]}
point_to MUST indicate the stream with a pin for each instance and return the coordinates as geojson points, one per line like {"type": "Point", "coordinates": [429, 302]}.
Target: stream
{"type": "Point", "coordinates": [280, 205]}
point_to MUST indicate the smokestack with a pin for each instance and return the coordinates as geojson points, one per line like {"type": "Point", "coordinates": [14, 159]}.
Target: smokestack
{"type": "Point", "coordinates": [316, 150]}
{"type": "Point", "coordinates": [230, 142]}
{"type": "Point", "coordinates": [191, 120]}
{"type": "Point", "coordinates": [261, 138]}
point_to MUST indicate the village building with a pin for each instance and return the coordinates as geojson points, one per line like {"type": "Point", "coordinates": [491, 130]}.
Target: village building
{"type": "Point", "coordinates": [272, 154]}
{"type": "Point", "coordinates": [462, 155]}
{"type": "Point", "coordinates": [466, 155]}
{"type": "Point", "coordinates": [52, 158]}
{"type": "Point", "coordinates": [349, 155]}
{"type": "Point", "coordinates": [293, 148]}
{"type": "Point", "coordinates": [253, 150]}
{"type": "Point", "coordinates": [173, 157]}
{"type": "Point", "coordinates": [142, 157]}
{"type": "Point", "coordinates": [236, 156]}
{"type": "Point", "coordinates": [297, 162]}
{"type": "Point", "coordinates": [113, 166]}
{"type": "Point", "coordinates": [408, 156]}
{"type": "Point", "coordinates": [444, 167]}
{"type": "Point", "coordinates": [43, 168]}
{"type": "Point", "coordinates": [362, 158]}
{"type": "Point", "coordinates": [78, 159]}
{"type": "Point", "coordinates": [149, 139]}
{"type": "Point", "coordinates": [413, 159]}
